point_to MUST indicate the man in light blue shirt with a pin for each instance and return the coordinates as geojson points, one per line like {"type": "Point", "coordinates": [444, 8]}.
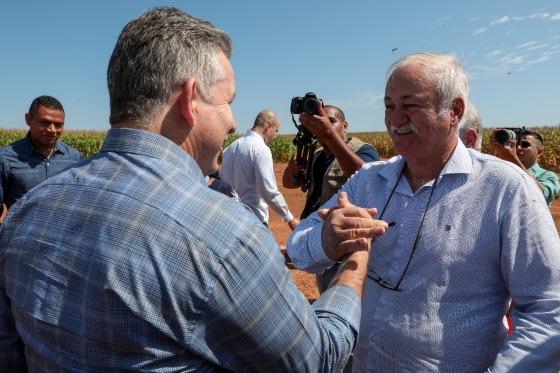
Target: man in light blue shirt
{"type": "Point", "coordinates": [129, 262]}
{"type": "Point", "coordinates": [467, 231]}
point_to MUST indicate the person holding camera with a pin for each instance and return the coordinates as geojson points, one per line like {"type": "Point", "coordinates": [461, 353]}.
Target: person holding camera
{"type": "Point", "coordinates": [247, 165]}
{"type": "Point", "coordinates": [465, 234]}
{"type": "Point", "coordinates": [525, 154]}
{"type": "Point", "coordinates": [332, 164]}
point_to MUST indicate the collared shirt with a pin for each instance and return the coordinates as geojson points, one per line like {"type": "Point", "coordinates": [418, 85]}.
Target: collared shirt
{"type": "Point", "coordinates": [22, 168]}
{"type": "Point", "coordinates": [486, 235]}
{"type": "Point", "coordinates": [129, 261]}
{"type": "Point", "coordinates": [548, 180]}
{"type": "Point", "coordinates": [247, 166]}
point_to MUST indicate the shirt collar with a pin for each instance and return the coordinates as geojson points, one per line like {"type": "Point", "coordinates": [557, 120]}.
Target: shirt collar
{"type": "Point", "coordinates": [251, 133]}
{"type": "Point", "coordinates": [30, 148]}
{"type": "Point", "coordinates": [460, 162]}
{"type": "Point", "coordinates": [129, 140]}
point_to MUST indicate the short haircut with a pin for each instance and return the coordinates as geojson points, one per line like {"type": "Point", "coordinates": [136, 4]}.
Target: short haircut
{"type": "Point", "coordinates": [451, 80]}
{"type": "Point", "coordinates": [45, 101]}
{"type": "Point", "coordinates": [536, 135]}
{"type": "Point", "coordinates": [264, 117]}
{"type": "Point", "coordinates": [339, 112]}
{"type": "Point", "coordinates": [154, 55]}
{"type": "Point", "coordinates": [471, 119]}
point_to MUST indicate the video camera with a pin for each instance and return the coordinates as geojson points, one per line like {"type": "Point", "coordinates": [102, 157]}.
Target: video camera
{"type": "Point", "coordinates": [304, 140]}
{"type": "Point", "coordinates": [506, 134]}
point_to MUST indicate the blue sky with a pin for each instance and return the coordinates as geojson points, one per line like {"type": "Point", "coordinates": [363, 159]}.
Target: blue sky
{"type": "Point", "coordinates": [340, 50]}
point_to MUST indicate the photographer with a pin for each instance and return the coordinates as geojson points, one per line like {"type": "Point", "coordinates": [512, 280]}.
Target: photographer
{"type": "Point", "coordinates": [526, 153]}
{"type": "Point", "coordinates": [331, 165]}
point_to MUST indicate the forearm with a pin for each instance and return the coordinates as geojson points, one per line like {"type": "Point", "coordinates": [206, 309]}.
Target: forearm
{"type": "Point", "coordinates": [269, 325]}
{"type": "Point", "coordinates": [353, 271]}
{"type": "Point", "coordinates": [289, 179]}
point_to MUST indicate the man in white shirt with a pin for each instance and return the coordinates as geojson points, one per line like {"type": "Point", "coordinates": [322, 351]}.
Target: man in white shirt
{"type": "Point", "coordinates": [247, 166]}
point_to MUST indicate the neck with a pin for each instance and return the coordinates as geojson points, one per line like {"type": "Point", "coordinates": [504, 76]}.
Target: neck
{"type": "Point", "coordinates": [45, 150]}
{"type": "Point", "coordinates": [421, 172]}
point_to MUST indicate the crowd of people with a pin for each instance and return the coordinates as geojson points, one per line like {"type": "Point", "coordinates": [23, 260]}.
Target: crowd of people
{"type": "Point", "coordinates": [128, 260]}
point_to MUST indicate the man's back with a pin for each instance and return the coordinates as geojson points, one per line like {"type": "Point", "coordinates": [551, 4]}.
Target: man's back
{"type": "Point", "coordinates": [247, 165]}
{"type": "Point", "coordinates": [123, 267]}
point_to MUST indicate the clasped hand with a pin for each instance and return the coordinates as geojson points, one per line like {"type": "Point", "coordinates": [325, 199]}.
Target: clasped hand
{"type": "Point", "coordinates": [348, 228]}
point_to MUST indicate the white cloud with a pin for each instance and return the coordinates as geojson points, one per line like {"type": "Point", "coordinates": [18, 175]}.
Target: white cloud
{"type": "Point", "coordinates": [480, 30]}
{"type": "Point", "coordinates": [518, 18]}
{"type": "Point", "coordinates": [495, 53]}
{"type": "Point", "coordinates": [541, 15]}
{"type": "Point", "coordinates": [527, 44]}
{"type": "Point", "coordinates": [555, 17]}
{"type": "Point", "coordinates": [504, 19]}
{"type": "Point", "coordinates": [544, 57]}
{"type": "Point", "coordinates": [517, 60]}
{"type": "Point", "coordinates": [539, 46]}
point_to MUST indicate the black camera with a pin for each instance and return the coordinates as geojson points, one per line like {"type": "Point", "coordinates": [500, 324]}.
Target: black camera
{"type": "Point", "coordinates": [506, 134]}
{"type": "Point", "coordinates": [308, 104]}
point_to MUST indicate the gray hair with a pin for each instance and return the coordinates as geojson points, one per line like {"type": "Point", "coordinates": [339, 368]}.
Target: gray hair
{"type": "Point", "coordinates": [154, 55]}
{"type": "Point", "coordinates": [452, 81]}
{"type": "Point", "coordinates": [471, 119]}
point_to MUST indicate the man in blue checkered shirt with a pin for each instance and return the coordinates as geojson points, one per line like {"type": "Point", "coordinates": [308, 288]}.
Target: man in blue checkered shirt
{"type": "Point", "coordinates": [129, 261]}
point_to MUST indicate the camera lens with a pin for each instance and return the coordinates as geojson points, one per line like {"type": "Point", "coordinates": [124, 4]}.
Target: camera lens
{"type": "Point", "coordinates": [310, 106]}
{"type": "Point", "coordinates": [504, 135]}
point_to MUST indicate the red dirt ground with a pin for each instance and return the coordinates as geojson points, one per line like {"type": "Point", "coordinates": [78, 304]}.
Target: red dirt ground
{"type": "Point", "coordinates": [296, 201]}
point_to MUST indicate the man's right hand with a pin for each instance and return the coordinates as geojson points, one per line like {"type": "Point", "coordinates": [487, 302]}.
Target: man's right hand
{"type": "Point", "coordinates": [348, 228]}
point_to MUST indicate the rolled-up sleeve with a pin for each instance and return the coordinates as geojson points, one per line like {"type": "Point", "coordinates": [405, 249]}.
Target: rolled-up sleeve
{"type": "Point", "coordinates": [275, 328]}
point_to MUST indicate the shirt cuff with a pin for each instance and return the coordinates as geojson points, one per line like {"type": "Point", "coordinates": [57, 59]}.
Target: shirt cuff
{"type": "Point", "coordinates": [288, 217]}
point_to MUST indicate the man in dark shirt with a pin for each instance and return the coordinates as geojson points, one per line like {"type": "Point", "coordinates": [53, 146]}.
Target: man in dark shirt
{"type": "Point", "coordinates": [28, 162]}
{"type": "Point", "coordinates": [337, 159]}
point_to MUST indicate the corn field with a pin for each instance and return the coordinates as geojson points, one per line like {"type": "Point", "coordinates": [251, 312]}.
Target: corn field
{"type": "Point", "coordinates": [89, 142]}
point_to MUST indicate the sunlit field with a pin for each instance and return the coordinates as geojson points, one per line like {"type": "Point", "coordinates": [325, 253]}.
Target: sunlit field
{"type": "Point", "coordinates": [89, 142]}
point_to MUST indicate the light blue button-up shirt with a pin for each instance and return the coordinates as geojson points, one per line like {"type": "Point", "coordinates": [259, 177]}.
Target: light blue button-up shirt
{"type": "Point", "coordinates": [487, 235]}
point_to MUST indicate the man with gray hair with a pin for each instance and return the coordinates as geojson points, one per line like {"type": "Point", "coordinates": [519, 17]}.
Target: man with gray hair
{"type": "Point", "coordinates": [470, 128]}
{"type": "Point", "coordinates": [128, 261]}
{"type": "Point", "coordinates": [466, 231]}
{"type": "Point", "coordinates": [247, 166]}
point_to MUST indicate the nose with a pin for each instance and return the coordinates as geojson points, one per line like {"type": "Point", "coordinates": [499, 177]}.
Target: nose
{"type": "Point", "coordinates": [233, 127]}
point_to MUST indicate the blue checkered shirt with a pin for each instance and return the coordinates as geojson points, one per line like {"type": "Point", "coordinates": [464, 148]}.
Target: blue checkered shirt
{"type": "Point", "coordinates": [129, 261]}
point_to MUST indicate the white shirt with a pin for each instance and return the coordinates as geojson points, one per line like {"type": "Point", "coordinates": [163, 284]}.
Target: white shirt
{"type": "Point", "coordinates": [247, 166]}
{"type": "Point", "coordinates": [487, 235]}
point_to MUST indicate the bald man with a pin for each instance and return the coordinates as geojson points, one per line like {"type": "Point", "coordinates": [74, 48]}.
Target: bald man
{"type": "Point", "coordinates": [247, 166]}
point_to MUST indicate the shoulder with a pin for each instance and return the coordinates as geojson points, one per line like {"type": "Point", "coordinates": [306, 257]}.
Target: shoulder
{"type": "Point", "coordinates": [70, 150]}
{"type": "Point", "coordinates": [14, 151]}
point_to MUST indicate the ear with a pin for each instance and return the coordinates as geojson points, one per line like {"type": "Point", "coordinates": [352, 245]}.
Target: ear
{"type": "Point", "coordinates": [457, 110]}
{"type": "Point", "coordinates": [471, 137]}
{"type": "Point", "coordinates": [28, 119]}
{"type": "Point", "coordinates": [188, 102]}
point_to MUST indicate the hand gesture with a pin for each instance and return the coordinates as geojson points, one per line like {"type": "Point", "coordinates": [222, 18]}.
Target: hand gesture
{"type": "Point", "coordinates": [348, 228]}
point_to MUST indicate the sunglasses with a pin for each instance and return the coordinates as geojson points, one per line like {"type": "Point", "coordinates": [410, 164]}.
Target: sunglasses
{"type": "Point", "coordinates": [524, 144]}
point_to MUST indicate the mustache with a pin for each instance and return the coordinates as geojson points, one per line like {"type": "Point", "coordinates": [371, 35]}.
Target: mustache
{"type": "Point", "coordinates": [406, 128]}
